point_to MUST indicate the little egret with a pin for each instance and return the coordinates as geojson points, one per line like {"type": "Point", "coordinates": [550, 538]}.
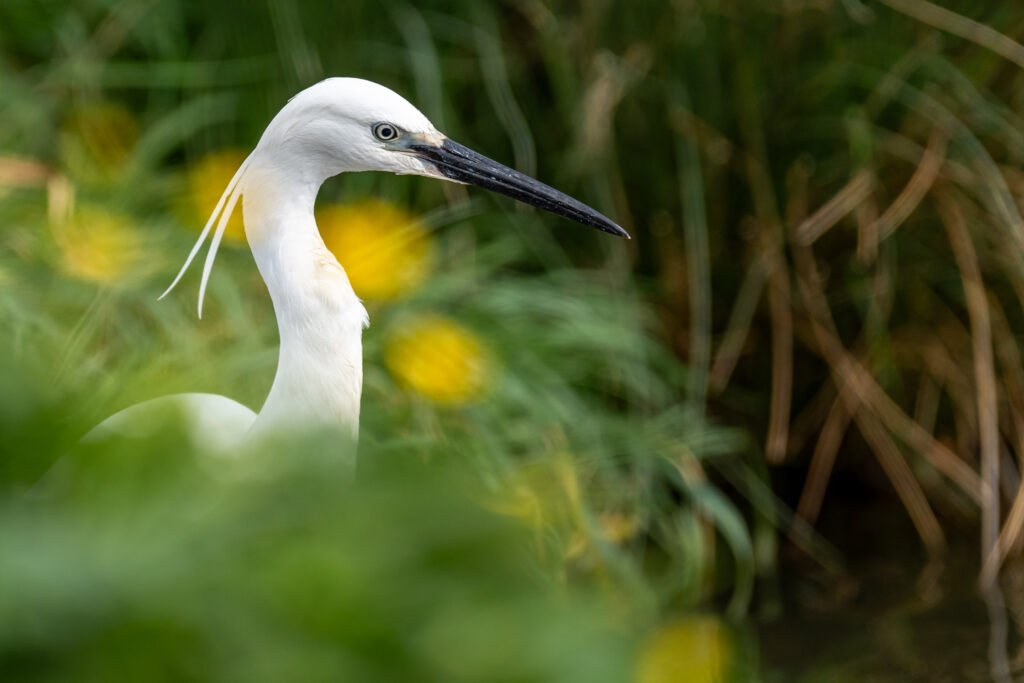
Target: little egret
{"type": "Point", "coordinates": [338, 125]}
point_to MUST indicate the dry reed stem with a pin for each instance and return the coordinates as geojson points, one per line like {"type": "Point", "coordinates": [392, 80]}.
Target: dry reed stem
{"type": "Point", "coordinates": [926, 405]}
{"type": "Point", "coordinates": [867, 389]}
{"type": "Point", "coordinates": [1012, 375]}
{"type": "Point", "coordinates": [779, 300]}
{"type": "Point", "coordinates": [932, 358]}
{"type": "Point", "coordinates": [1015, 181]}
{"type": "Point", "coordinates": [823, 460]}
{"type": "Point", "coordinates": [797, 208]}
{"type": "Point", "coordinates": [1008, 538]}
{"type": "Point", "coordinates": [902, 147]}
{"type": "Point", "coordinates": [770, 268]}
{"type": "Point", "coordinates": [738, 326]}
{"type": "Point", "coordinates": [959, 25]}
{"type": "Point", "coordinates": [911, 196]}
{"type": "Point", "coordinates": [903, 480]}
{"type": "Point", "coordinates": [808, 422]}
{"type": "Point", "coordinates": [851, 376]}
{"type": "Point", "coordinates": [845, 201]}
{"type": "Point", "coordinates": [773, 240]}
{"type": "Point", "coordinates": [1008, 354]}
{"type": "Point", "coordinates": [938, 360]}
{"type": "Point", "coordinates": [1011, 536]}
{"type": "Point", "coordinates": [984, 364]}
{"type": "Point", "coordinates": [868, 236]}
{"type": "Point", "coordinates": [852, 395]}
{"type": "Point", "coordinates": [1009, 476]}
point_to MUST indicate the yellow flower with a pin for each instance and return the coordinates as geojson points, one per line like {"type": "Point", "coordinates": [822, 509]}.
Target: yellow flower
{"type": "Point", "coordinates": [206, 181]}
{"type": "Point", "coordinates": [439, 359]}
{"type": "Point", "coordinates": [384, 250]}
{"type": "Point", "coordinates": [96, 142]}
{"type": "Point", "coordinates": [693, 650]}
{"type": "Point", "coordinates": [99, 246]}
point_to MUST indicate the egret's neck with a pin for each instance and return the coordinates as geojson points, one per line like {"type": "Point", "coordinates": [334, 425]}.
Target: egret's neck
{"type": "Point", "coordinates": [320, 320]}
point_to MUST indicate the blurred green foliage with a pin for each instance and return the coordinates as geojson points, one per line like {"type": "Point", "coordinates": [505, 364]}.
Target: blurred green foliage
{"type": "Point", "coordinates": [161, 562]}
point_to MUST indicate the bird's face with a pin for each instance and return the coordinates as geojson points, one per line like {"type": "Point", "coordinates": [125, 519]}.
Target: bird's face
{"type": "Point", "coordinates": [348, 124]}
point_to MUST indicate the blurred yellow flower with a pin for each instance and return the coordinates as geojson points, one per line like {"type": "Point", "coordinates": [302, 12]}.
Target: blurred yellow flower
{"type": "Point", "coordinates": [439, 359]}
{"type": "Point", "coordinates": [693, 650]}
{"type": "Point", "coordinates": [385, 251]}
{"type": "Point", "coordinates": [99, 246]}
{"type": "Point", "coordinates": [206, 181]}
{"type": "Point", "coordinates": [96, 142]}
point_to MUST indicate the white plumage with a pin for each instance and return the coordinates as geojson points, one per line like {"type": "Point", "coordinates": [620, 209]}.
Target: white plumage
{"type": "Point", "coordinates": [338, 125]}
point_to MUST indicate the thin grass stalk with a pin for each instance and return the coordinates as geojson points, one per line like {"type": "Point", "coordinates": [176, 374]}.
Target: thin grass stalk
{"type": "Point", "coordinates": [423, 62]}
{"type": "Point", "coordinates": [686, 123]}
{"type": "Point", "coordinates": [903, 148]}
{"type": "Point", "coordinates": [822, 461]}
{"type": "Point", "coordinates": [902, 477]}
{"type": "Point", "coordinates": [959, 25]}
{"type": "Point", "coordinates": [772, 240]}
{"type": "Point", "coordinates": [984, 365]}
{"type": "Point", "coordinates": [987, 182]}
{"type": "Point", "coordinates": [926, 405]}
{"type": "Point", "coordinates": [807, 424]}
{"type": "Point", "coordinates": [917, 188]}
{"type": "Point", "coordinates": [1009, 536]}
{"type": "Point", "coordinates": [738, 327]}
{"type": "Point", "coordinates": [855, 192]}
{"type": "Point", "coordinates": [779, 300]}
{"type": "Point", "coordinates": [1008, 354]}
{"type": "Point", "coordinates": [868, 237]}
{"type": "Point", "coordinates": [931, 356]}
{"type": "Point", "coordinates": [698, 259]}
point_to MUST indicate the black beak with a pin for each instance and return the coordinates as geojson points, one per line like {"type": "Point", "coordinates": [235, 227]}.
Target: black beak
{"type": "Point", "coordinates": [461, 164]}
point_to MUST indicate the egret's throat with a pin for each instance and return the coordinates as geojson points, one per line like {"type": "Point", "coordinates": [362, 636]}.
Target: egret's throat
{"type": "Point", "coordinates": [319, 317]}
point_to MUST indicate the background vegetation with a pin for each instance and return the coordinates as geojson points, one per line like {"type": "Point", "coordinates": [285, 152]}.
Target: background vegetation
{"type": "Point", "coordinates": [571, 445]}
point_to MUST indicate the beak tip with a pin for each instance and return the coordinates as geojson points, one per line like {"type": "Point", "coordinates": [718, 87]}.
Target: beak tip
{"type": "Point", "coordinates": [619, 231]}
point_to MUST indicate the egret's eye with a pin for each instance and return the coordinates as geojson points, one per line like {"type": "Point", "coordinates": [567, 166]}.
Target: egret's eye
{"type": "Point", "coordinates": [385, 132]}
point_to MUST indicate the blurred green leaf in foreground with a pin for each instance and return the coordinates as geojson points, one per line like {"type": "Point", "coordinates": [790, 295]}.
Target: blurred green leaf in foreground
{"type": "Point", "coordinates": [153, 561]}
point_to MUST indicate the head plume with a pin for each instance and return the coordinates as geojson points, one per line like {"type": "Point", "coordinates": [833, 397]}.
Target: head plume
{"type": "Point", "coordinates": [224, 208]}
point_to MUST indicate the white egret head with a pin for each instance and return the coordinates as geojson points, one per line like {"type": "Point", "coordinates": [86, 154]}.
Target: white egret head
{"type": "Point", "coordinates": [349, 124]}
{"type": "Point", "coordinates": [346, 124]}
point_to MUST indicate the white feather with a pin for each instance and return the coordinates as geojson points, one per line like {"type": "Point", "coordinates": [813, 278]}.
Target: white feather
{"type": "Point", "coordinates": [211, 255]}
{"type": "Point", "coordinates": [232, 190]}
